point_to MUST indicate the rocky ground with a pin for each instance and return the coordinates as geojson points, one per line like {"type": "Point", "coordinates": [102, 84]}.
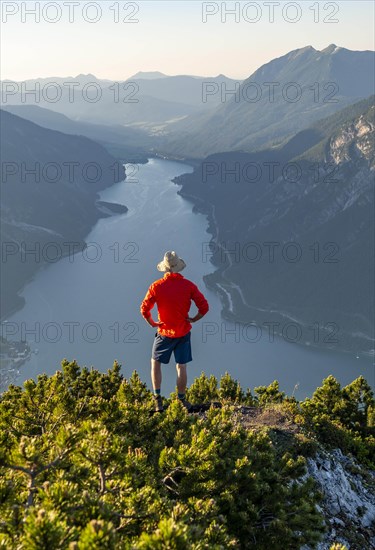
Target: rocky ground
{"type": "Point", "coordinates": [348, 489]}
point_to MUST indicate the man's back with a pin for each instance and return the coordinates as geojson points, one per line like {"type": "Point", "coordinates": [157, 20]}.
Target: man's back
{"type": "Point", "coordinates": [173, 294]}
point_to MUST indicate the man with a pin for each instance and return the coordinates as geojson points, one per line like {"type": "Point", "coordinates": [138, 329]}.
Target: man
{"type": "Point", "coordinates": [172, 294]}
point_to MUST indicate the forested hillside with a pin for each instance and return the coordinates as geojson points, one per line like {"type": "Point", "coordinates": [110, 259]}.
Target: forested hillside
{"type": "Point", "coordinates": [85, 464]}
{"type": "Point", "coordinates": [319, 202]}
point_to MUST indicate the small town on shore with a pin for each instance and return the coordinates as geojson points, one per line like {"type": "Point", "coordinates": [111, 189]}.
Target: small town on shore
{"type": "Point", "coordinates": [13, 354]}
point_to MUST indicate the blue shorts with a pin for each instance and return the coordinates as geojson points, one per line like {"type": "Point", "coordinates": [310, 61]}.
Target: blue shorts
{"type": "Point", "coordinates": [164, 345]}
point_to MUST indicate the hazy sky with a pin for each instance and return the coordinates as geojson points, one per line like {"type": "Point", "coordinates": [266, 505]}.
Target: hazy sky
{"type": "Point", "coordinates": [170, 36]}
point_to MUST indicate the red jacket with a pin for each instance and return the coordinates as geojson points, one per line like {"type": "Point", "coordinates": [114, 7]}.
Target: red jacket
{"type": "Point", "coordinates": [173, 294]}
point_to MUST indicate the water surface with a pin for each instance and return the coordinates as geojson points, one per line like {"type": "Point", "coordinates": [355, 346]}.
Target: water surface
{"type": "Point", "coordinates": [86, 307]}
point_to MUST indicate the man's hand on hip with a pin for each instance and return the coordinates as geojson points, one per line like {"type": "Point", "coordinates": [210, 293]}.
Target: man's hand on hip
{"type": "Point", "coordinates": [153, 323]}
{"type": "Point", "coordinates": [195, 319]}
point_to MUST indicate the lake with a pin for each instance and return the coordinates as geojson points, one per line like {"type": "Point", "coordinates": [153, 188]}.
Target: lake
{"type": "Point", "coordinates": [86, 306]}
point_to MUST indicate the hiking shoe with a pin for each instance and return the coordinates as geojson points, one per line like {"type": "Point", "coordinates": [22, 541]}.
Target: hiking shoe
{"type": "Point", "coordinates": [158, 403]}
{"type": "Point", "coordinates": [188, 406]}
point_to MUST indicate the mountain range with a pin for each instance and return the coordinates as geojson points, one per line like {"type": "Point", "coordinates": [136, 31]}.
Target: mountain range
{"type": "Point", "coordinates": [190, 117]}
{"type": "Point", "coordinates": [147, 100]}
{"type": "Point", "coordinates": [327, 212]}
{"type": "Point", "coordinates": [280, 98]}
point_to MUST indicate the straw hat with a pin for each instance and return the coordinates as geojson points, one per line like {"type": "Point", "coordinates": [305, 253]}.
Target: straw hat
{"type": "Point", "coordinates": [171, 262]}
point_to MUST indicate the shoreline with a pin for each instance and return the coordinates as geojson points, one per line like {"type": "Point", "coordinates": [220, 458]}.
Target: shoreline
{"type": "Point", "coordinates": [226, 291]}
{"type": "Point", "coordinates": [189, 161]}
{"type": "Point", "coordinates": [103, 211]}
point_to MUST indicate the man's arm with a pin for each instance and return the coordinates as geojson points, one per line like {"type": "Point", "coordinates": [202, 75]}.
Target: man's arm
{"type": "Point", "coordinates": [201, 303]}
{"type": "Point", "coordinates": [151, 322]}
{"type": "Point", "coordinates": [147, 305]}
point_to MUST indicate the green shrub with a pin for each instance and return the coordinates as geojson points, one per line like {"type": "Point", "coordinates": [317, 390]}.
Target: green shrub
{"type": "Point", "coordinates": [85, 465]}
{"type": "Point", "coordinates": [203, 389]}
{"type": "Point", "coordinates": [269, 394]}
{"type": "Point", "coordinates": [343, 417]}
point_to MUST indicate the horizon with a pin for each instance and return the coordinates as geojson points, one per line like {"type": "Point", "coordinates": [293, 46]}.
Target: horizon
{"type": "Point", "coordinates": [159, 38]}
{"type": "Point", "coordinates": [162, 74]}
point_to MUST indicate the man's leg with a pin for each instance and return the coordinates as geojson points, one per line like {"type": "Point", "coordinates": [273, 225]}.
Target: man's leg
{"type": "Point", "coordinates": [181, 385]}
{"type": "Point", "coordinates": [156, 383]}
{"type": "Point", "coordinates": [181, 378]}
{"type": "Point", "coordinates": [156, 375]}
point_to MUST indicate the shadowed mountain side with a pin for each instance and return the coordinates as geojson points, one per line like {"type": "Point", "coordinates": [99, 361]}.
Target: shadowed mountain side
{"type": "Point", "coordinates": [293, 231]}
{"type": "Point", "coordinates": [130, 143]}
{"type": "Point", "coordinates": [49, 187]}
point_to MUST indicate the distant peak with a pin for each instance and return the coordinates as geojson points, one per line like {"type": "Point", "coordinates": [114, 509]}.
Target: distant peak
{"type": "Point", "coordinates": [330, 49]}
{"type": "Point", "coordinates": [88, 75]}
{"type": "Point", "coordinates": [300, 51]}
{"type": "Point", "coordinates": [305, 49]}
{"type": "Point", "coordinates": [151, 75]}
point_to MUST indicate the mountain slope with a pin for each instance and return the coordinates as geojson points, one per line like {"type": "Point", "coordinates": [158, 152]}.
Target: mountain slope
{"type": "Point", "coordinates": [132, 143]}
{"type": "Point", "coordinates": [297, 244]}
{"type": "Point", "coordinates": [185, 89]}
{"type": "Point", "coordinates": [49, 187]}
{"type": "Point", "coordinates": [280, 98]}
